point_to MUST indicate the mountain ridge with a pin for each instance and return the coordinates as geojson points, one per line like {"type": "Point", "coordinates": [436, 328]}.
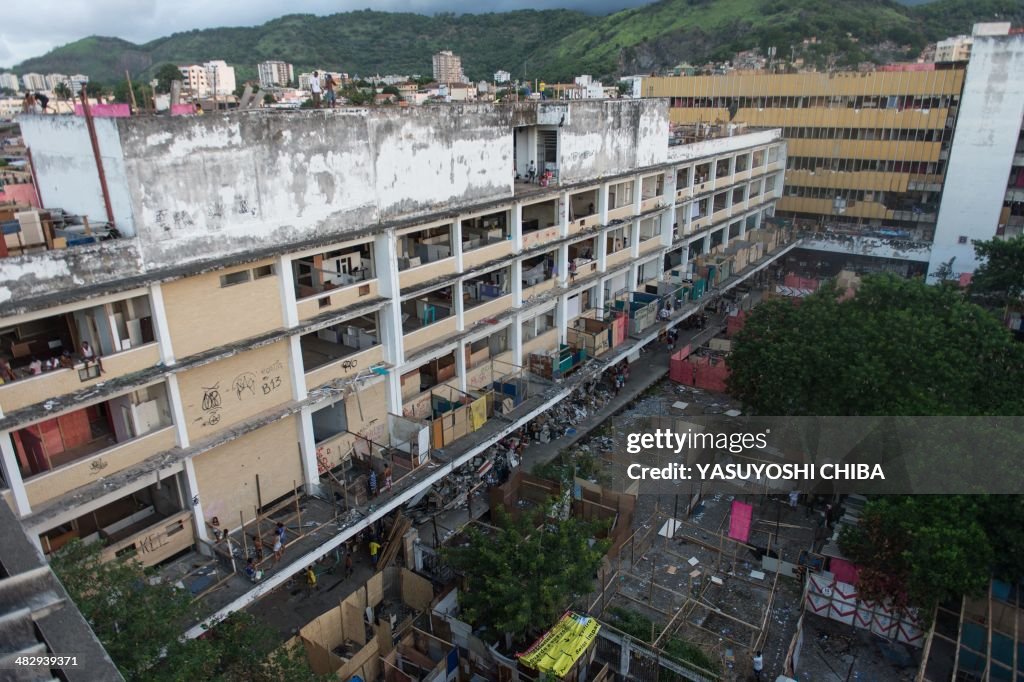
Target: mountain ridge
{"type": "Point", "coordinates": [545, 44]}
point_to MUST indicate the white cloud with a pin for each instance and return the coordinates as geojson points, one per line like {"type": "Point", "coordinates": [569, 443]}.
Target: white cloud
{"type": "Point", "coordinates": [30, 28]}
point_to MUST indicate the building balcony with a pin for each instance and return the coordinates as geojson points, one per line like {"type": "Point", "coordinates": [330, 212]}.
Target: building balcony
{"type": "Point", "coordinates": [153, 543]}
{"type": "Point", "coordinates": [432, 333]}
{"type": "Point", "coordinates": [740, 176]}
{"type": "Point", "coordinates": [539, 288]}
{"type": "Point", "coordinates": [650, 245]}
{"type": "Point", "coordinates": [620, 213]}
{"type": "Point", "coordinates": [542, 343]}
{"type": "Point", "coordinates": [684, 193]}
{"type": "Point", "coordinates": [41, 387]}
{"type": "Point", "coordinates": [485, 254]}
{"type": "Point", "coordinates": [347, 366]}
{"type": "Point", "coordinates": [477, 310]}
{"type": "Point", "coordinates": [617, 259]}
{"type": "Point", "coordinates": [583, 223]}
{"type": "Point", "coordinates": [650, 204]}
{"type": "Point", "coordinates": [98, 464]}
{"type": "Point", "coordinates": [420, 274]}
{"type": "Point", "coordinates": [339, 298]}
{"type": "Point", "coordinates": [721, 215]}
{"type": "Point", "coordinates": [537, 237]}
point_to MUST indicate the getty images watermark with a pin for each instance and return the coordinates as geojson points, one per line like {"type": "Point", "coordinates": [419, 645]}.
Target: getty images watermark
{"type": "Point", "coordinates": [925, 455]}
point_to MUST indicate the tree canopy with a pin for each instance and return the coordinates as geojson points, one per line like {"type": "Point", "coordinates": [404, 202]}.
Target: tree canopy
{"type": "Point", "coordinates": [140, 624]}
{"type": "Point", "coordinates": [520, 578]}
{"type": "Point", "coordinates": [899, 347]}
{"type": "Point", "coordinates": [164, 75]}
{"type": "Point", "coordinates": [921, 550]}
{"type": "Point", "coordinates": [999, 280]}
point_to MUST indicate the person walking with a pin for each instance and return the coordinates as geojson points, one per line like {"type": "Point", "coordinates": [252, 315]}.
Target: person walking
{"type": "Point", "coordinates": [329, 90]}
{"type": "Point", "coordinates": [310, 581]}
{"type": "Point", "coordinates": [374, 552]}
{"type": "Point", "coordinates": [279, 533]}
{"type": "Point", "coordinates": [572, 271]}
{"type": "Point", "coordinates": [315, 89]}
{"type": "Point", "coordinates": [758, 666]}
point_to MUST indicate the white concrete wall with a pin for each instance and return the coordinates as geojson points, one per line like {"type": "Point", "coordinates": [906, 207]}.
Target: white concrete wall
{"type": "Point", "coordinates": [608, 137]}
{"type": "Point", "coordinates": [980, 158]}
{"type": "Point", "coordinates": [723, 145]}
{"type": "Point", "coordinates": [66, 167]}
{"type": "Point", "coordinates": [876, 247]}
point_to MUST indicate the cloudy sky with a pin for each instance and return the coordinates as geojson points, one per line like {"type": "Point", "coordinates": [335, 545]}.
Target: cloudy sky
{"type": "Point", "coordinates": [30, 28]}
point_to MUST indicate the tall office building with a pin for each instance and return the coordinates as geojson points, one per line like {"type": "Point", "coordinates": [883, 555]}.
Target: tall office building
{"type": "Point", "coordinates": [448, 68]}
{"type": "Point", "coordinates": [275, 74]}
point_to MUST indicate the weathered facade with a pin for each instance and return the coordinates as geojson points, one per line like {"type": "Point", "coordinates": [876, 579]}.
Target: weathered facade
{"type": "Point", "coordinates": [294, 291]}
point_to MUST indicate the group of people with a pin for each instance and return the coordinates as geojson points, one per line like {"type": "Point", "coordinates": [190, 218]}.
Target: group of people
{"type": "Point", "coordinates": [322, 88]}
{"type": "Point", "coordinates": [620, 376]}
{"type": "Point", "coordinates": [35, 103]}
{"type": "Point", "coordinates": [544, 179]}
{"type": "Point", "coordinates": [372, 481]}
{"type": "Point", "coordinates": [65, 360]}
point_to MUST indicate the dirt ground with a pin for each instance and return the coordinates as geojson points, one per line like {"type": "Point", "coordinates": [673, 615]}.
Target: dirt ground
{"type": "Point", "coordinates": [743, 604]}
{"type": "Point", "coordinates": [836, 652]}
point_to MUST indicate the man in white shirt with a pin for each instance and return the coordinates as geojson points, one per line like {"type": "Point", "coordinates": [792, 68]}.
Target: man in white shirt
{"type": "Point", "coordinates": [758, 666]}
{"type": "Point", "coordinates": [314, 89]}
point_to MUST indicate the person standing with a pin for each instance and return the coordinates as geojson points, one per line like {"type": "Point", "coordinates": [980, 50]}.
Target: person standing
{"type": "Point", "coordinates": [374, 552]}
{"type": "Point", "coordinates": [758, 666]}
{"type": "Point", "coordinates": [310, 581]}
{"type": "Point", "coordinates": [314, 89]}
{"type": "Point", "coordinates": [531, 172]}
{"type": "Point", "coordinates": [372, 482]}
{"type": "Point", "coordinates": [794, 498]}
{"type": "Point", "coordinates": [89, 355]}
{"type": "Point", "coordinates": [572, 270]}
{"type": "Point", "coordinates": [348, 564]}
{"type": "Point", "coordinates": [329, 90]}
{"type": "Point", "coordinates": [278, 542]}
{"type": "Point", "coordinates": [387, 477]}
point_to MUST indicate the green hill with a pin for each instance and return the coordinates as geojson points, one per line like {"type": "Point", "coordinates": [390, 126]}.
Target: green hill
{"type": "Point", "coordinates": [549, 44]}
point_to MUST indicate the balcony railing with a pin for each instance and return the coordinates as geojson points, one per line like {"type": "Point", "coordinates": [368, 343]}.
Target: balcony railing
{"type": "Point", "coordinates": [40, 388]}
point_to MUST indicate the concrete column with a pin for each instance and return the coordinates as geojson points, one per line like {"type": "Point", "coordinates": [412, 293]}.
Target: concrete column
{"type": "Point", "coordinates": [561, 317]}
{"type": "Point", "coordinates": [563, 264]}
{"type": "Point", "coordinates": [177, 410]}
{"type": "Point", "coordinates": [385, 250]}
{"type": "Point", "coordinates": [602, 250]}
{"type": "Point", "coordinates": [163, 334]}
{"type": "Point", "coordinates": [287, 280]}
{"type": "Point", "coordinates": [599, 298]}
{"type": "Point", "coordinates": [602, 204]}
{"type": "Point", "coordinates": [634, 276]}
{"type": "Point", "coordinates": [624, 658]}
{"type": "Point", "coordinates": [12, 474]}
{"type": "Point", "coordinates": [295, 366]}
{"type": "Point", "coordinates": [517, 227]}
{"type": "Point", "coordinates": [743, 227]}
{"type": "Point", "coordinates": [196, 503]}
{"type": "Point", "coordinates": [307, 451]}
{"type": "Point", "coordinates": [669, 216]}
{"type": "Point", "coordinates": [634, 238]}
{"type": "Point", "coordinates": [516, 340]}
{"type": "Point", "coordinates": [517, 283]}
{"type": "Point", "coordinates": [457, 243]}
{"type": "Point", "coordinates": [460, 306]}
{"type": "Point", "coordinates": [563, 218]}
{"type": "Point", "coordinates": [638, 198]}
{"type": "Point", "coordinates": [707, 242]}
{"type": "Point", "coordinates": [460, 364]}
{"type": "Point", "coordinates": [393, 391]}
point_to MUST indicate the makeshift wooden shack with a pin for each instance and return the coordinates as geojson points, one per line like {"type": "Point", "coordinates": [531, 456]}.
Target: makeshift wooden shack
{"type": "Point", "coordinates": [351, 638]}
{"type": "Point", "coordinates": [595, 336]}
{"type": "Point", "coordinates": [707, 371]}
{"type": "Point", "coordinates": [640, 308]}
{"type": "Point", "coordinates": [421, 656]}
{"type": "Point", "coordinates": [454, 413]}
{"type": "Point", "coordinates": [558, 363]}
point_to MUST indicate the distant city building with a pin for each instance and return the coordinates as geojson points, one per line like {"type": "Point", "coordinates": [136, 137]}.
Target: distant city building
{"type": "Point", "coordinates": [275, 73]}
{"type": "Point", "coordinates": [10, 81]}
{"type": "Point", "coordinates": [955, 49]}
{"type": "Point", "coordinates": [193, 78]}
{"type": "Point", "coordinates": [502, 76]}
{"type": "Point", "coordinates": [77, 81]}
{"type": "Point", "coordinates": [448, 68]}
{"type": "Point", "coordinates": [220, 77]}
{"type": "Point", "coordinates": [34, 81]}
{"type": "Point", "coordinates": [54, 79]}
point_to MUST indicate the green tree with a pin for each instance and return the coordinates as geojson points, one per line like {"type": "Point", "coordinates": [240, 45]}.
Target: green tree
{"type": "Point", "coordinates": [94, 89]}
{"type": "Point", "coordinates": [917, 551]}
{"type": "Point", "coordinates": [268, 98]}
{"type": "Point", "coordinates": [164, 75]}
{"type": "Point", "coordinates": [63, 91]}
{"type": "Point", "coordinates": [999, 280]}
{"type": "Point", "coordinates": [899, 347]}
{"type": "Point", "coordinates": [123, 94]}
{"type": "Point", "coordinates": [521, 578]}
{"type": "Point", "coordinates": [140, 624]}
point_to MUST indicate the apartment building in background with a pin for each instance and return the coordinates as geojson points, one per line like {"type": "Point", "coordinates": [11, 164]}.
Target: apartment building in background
{"type": "Point", "coordinates": [904, 163]}
{"type": "Point", "coordinates": [208, 79]}
{"type": "Point", "coordinates": [275, 74]}
{"type": "Point", "coordinates": [448, 68]}
{"type": "Point", "coordinates": [10, 81]}
{"type": "Point", "coordinates": [54, 79]}
{"type": "Point", "coordinates": [34, 82]}
{"type": "Point", "coordinates": [311, 312]}
{"type": "Point", "coordinates": [954, 49]}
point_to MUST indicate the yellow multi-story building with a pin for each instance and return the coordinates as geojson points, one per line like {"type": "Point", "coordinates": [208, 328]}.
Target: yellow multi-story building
{"type": "Point", "coordinates": [863, 148]}
{"type": "Point", "coordinates": [290, 302]}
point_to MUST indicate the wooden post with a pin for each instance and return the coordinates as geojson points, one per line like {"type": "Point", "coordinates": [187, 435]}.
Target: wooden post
{"type": "Point", "coordinates": [245, 545]}
{"type": "Point", "coordinates": [259, 528]}
{"type": "Point", "coordinates": [259, 494]}
{"type": "Point", "coordinates": [131, 90]}
{"type": "Point", "coordinates": [298, 509]}
{"type": "Point", "coordinates": [85, 223]}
